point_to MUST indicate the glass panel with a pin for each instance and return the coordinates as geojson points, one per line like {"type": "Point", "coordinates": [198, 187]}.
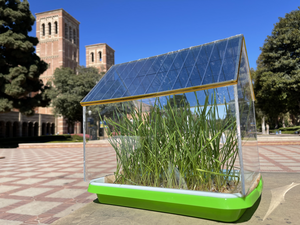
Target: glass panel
{"type": "Point", "coordinates": [190, 60]}
{"type": "Point", "coordinates": [94, 91]}
{"type": "Point", "coordinates": [168, 62]}
{"type": "Point", "coordinates": [157, 64]}
{"type": "Point", "coordinates": [205, 54]}
{"type": "Point", "coordinates": [127, 71]}
{"type": "Point", "coordinates": [208, 79]}
{"type": "Point", "coordinates": [247, 124]}
{"type": "Point", "coordinates": [127, 82]}
{"type": "Point", "coordinates": [169, 80]}
{"type": "Point", "coordinates": [142, 88]}
{"type": "Point", "coordinates": [109, 94]}
{"type": "Point", "coordinates": [215, 70]}
{"type": "Point", "coordinates": [183, 77]}
{"type": "Point", "coordinates": [147, 65]}
{"type": "Point", "coordinates": [135, 84]}
{"type": "Point", "coordinates": [155, 147]}
{"type": "Point", "coordinates": [138, 67]}
{"type": "Point", "coordinates": [218, 52]}
{"type": "Point", "coordinates": [205, 62]}
{"type": "Point", "coordinates": [121, 68]}
{"type": "Point", "coordinates": [178, 62]}
{"type": "Point", "coordinates": [228, 69]}
{"type": "Point", "coordinates": [157, 81]}
{"type": "Point", "coordinates": [244, 91]}
{"type": "Point", "coordinates": [120, 92]}
{"type": "Point", "coordinates": [108, 80]}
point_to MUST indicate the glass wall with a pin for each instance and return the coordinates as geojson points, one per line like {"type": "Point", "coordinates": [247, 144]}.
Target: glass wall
{"type": "Point", "coordinates": [250, 156]}
{"type": "Point", "coordinates": [185, 141]}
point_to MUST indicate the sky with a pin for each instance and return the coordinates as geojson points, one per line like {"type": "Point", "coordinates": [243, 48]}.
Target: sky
{"type": "Point", "coordinates": [138, 29]}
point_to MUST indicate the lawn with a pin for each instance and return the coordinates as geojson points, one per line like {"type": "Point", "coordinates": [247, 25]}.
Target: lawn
{"type": "Point", "coordinates": [14, 142]}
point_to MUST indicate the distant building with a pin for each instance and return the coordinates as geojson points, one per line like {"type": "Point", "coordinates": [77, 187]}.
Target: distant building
{"type": "Point", "coordinates": [100, 56]}
{"type": "Point", "coordinates": [58, 34]}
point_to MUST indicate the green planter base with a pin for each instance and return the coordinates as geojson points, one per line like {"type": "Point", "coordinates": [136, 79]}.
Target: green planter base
{"type": "Point", "coordinates": [207, 205]}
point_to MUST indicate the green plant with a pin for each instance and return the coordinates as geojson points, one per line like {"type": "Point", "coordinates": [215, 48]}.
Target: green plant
{"type": "Point", "coordinates": [176, 146]}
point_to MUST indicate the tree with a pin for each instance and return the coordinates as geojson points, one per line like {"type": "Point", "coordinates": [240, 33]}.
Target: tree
{"type": "Point", "coordinates": [20, 68]}
{"type": "Point", "coordinates": [177, 101]}
{"type": "Point", "coordinates": [277, 78]}
{"type": "Point", "coordinates": [69, 89]}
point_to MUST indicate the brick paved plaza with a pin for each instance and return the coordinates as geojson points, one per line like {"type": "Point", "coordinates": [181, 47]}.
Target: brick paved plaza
{"type": "Point", "coordinates": [39, 186]}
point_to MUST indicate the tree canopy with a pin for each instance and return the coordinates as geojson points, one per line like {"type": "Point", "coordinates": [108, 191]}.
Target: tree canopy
{"type": "Point", "coordinates": [70, 88]}
{"type": "Point", "coordinates": [20, 68]}
{"type": "Point", "coordinates": [277, 78]}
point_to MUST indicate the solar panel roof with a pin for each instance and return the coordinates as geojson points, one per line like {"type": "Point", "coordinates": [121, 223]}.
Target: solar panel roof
{"type": "Point", "coordinates": [194, 68]}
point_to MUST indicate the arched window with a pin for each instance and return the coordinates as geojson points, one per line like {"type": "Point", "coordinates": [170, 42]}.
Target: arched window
{"type": "Point", "coordinates": [56, 28]}
{"type": "Point", "coordinates": [92, 56]}
{"type": "Point", "coordinates": [43, 29]}
{"type": "Point", "coordinates": [66, 31]}
{"type": "Point", "coordinates": [49, 28]}
{"type": "Point", "coordinates": [100, 56]}
{"type": "Point", "coordinates": [70, 34]}
{"type": "Point", "coordinates": [74, 36]}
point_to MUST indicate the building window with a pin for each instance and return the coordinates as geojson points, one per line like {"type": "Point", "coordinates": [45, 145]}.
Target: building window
{"type": "Point", "coordinates": [100, 56]}
{"type": "Point", "coordinates": [66, 31]}
{"type": "Point", "coordinates": [49, 28]}
{"type": "Point", "coordinates": [43, 29]}
{"type": "Point", "coordinates": [70, 34]}
{"type": "Point", "coordinates": [92, 56]}
{"type": "Point", "coordinates": [75, 56]}
{"type": "Point", "coordinates": [56, 28]}
{"type": "Point", "coordinates": [74, 36]}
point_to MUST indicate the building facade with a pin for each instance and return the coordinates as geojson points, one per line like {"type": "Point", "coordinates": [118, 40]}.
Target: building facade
{"type": "Point", "coordinates": [58, 34]}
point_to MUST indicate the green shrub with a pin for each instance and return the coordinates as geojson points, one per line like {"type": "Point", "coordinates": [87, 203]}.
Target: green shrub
{"type": "Point", "coordinates": [76, 137]}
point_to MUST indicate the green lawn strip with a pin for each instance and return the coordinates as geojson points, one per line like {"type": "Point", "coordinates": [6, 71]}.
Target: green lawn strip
{"type": "Point", "coordinates": [14, 142]}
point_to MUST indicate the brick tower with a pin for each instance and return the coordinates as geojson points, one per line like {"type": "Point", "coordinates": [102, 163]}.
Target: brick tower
{"type": "Point", "coordinates": [101, 56]}
{"type": "Point", "coordinates": [58, 34]}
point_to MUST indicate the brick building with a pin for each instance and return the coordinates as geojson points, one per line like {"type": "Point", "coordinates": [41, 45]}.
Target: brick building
{"type": "Point", "coordinates": [58, 34]}
{"type": "Point", "coordinates": [100, 56]}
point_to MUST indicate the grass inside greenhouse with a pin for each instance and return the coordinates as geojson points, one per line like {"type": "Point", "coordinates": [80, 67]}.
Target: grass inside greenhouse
{"type": "Point", "coordinates": [174, 147]}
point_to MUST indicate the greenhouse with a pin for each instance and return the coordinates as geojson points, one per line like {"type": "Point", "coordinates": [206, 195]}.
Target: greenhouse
{"type": "Point", "coordinates": [181, 130]}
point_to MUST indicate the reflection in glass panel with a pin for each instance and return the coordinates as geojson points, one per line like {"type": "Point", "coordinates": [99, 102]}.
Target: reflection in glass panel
{"type": "Point", "coordinates": [215, 70]}
{"type": "Point", "coordinates": [204, 54]}
{"type": "Point", "coordinates": [244, 92]}
{"type": "Point", "coordinates": [147, 65]}
{"type": "Point", "coordinates": [228, 70]}
{"type": "Point", "coordinates": [218, 51]}
{"type": "Point", "coordinates": [121, 68]}
{"type": "Point", "coordinates": [157, 81]}
{"type": "Point", "coordinates": [157, 64]}
{"type": "Point", "coordinates": [144, 84]}
{"type": "Point", "coordinates": [169, 80]}
{"type": "Point", "coordinates": [126, 72]}
{"type": "Point", "coordinates": [191, 57]}
{"type": "Point", "coordinates": [178, 62]}
{"type": "Point", "coordinates": [134, 85]}
{"type": "Point", "coordinates": [168, 62]}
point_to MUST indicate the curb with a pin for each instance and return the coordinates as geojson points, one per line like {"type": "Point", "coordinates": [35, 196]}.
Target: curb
{"type": "Point", "coordinates": [106, 144]}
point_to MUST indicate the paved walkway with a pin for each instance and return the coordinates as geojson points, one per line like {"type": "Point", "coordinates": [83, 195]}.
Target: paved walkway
{"type": "Point", "coordinates": [39, 186]}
